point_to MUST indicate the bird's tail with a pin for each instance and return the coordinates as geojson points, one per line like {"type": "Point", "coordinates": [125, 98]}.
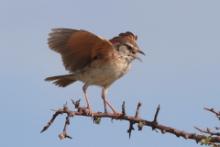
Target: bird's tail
{"type": "Point", "coordinates": [62, 80]}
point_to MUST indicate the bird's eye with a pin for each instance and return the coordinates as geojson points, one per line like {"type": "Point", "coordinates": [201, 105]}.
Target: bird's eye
{"type": "Point", "coordinates": [129, 47]}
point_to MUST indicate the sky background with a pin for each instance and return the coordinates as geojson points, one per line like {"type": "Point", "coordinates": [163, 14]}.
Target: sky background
{"type": "Point", "coordinates": [181, 70]}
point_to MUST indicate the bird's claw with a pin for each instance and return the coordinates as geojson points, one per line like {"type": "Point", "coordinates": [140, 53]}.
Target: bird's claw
{"type": "Point", "coordinates": [89, 111]}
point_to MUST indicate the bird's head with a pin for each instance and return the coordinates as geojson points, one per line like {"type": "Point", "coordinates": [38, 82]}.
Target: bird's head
{"type": "Point", "coordinates": [125, 44]}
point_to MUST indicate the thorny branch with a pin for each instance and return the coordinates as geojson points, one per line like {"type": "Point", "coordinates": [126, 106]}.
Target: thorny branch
{"type": "Point", "coordinates": [212, 110]}
{"type": "Point", "coordinates": [208, 137]}
{"type": "Point", "coordinates": [131, 123]}
{"type": "Point", "coordinates": [208, 131]}
{"type": "Point", "coordinates": [211, 132]}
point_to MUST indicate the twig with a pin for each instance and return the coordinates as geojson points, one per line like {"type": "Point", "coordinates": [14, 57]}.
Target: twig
{"type": "Point", "coordinates": [131, 123]}
{"type": "Point", "coordinates": [69, 114]}
{"type": "Point", "coordinates": [123, 108]}
{"type": "Point", "coordinates": [58, 112]}
{"type": "Point", "coordinates": [131, 128]}
{"type": "Point", "coordinates": [208, 131]}
{"type": "Point", "coordinates": [212, 110]}
{"type": "Point", "coordinates": [155, 121]}
{"type": "Point", "coordinates": [138, 109]}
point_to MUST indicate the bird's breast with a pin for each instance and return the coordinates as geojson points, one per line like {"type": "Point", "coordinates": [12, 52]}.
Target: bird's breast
{"type": "Point", "coordinates": [104, 73]}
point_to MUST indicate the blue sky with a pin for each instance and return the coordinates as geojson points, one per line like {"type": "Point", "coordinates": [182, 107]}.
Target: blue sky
{"type": "Point", "coordinates": [180, 72]}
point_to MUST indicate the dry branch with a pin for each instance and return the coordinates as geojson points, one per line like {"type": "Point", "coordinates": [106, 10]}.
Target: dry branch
{"type": "Point", "coordinates": [212, 110]}
{"type": "Point", "coordinates": [208, 131]}
{"type": "Point", "coordinates": [209, 138]}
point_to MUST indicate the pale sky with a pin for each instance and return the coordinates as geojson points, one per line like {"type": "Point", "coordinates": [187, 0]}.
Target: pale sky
{"type": "Point", "coordinates": [180, 72]}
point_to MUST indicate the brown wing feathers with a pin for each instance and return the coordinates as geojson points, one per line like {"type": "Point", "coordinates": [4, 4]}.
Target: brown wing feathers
{"type": "Point", "coordinates": [77, 47]}
{"type": "Point", "coordinates": [58, 38]}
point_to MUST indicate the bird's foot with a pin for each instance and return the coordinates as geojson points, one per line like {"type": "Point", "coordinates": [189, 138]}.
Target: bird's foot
{"type": "Point", "coordinates": [89, 111]}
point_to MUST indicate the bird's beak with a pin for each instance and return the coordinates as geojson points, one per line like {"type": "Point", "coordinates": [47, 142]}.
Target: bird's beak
{"type": "Point", "coordinates": [141, 52]}
{"type": "Point", "coordinates": [139, 59]}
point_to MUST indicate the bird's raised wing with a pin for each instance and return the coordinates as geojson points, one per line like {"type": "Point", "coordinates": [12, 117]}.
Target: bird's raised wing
{"type": "Point", "coordinates": [78, 48]}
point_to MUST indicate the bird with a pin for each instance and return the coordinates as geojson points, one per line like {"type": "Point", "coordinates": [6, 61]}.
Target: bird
{"type": "Point", "coordinates": [92, 59]}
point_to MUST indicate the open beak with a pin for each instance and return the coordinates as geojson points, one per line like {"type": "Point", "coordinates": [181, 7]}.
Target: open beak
{"type": "Point", "coordinates": [139, 59]}
{"type": "Point", "coordinates": [141, 52]}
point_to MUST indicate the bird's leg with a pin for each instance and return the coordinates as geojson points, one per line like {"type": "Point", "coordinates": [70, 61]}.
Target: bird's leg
{"type": "Point", "coordinates": [105, 101]}
{"type": "Point", "coordinates": [104, 92]}
{"type": "Point", "coordinates": [85, 86]}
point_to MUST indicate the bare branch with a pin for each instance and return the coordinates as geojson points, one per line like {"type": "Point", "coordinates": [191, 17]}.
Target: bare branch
{"type": "Point", "coordinates": [212, 110]}
{"type": "Point", "coordinates": [208, 131]}
{"type": "Point", "coordinates": [82, 111]}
